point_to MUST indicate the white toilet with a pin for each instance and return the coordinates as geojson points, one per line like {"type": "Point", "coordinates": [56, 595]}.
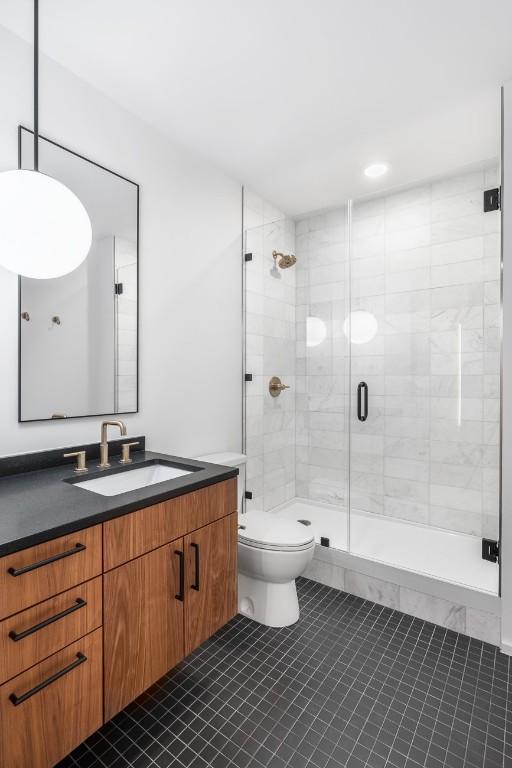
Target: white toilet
{"type": "Point", "coordinates": [272, 552]}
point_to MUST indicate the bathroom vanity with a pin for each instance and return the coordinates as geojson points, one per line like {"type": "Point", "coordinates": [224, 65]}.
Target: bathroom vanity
{"type": "Point", "coordinates": [111, 593]}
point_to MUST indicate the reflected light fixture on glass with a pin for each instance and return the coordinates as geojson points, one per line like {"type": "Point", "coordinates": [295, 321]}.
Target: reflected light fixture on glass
{"type": "Point", "coordinates": [45, 230]}
{"type": "Point", "coordinates": [361, 326]}
{"type": "Point", "coordinates": [316, 331]}
{"type": "Point", "coordinates": [375, 170]}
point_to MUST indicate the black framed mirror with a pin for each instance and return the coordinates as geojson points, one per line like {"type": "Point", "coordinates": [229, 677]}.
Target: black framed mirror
{"type": "Point", "coordinates": [78, 334]}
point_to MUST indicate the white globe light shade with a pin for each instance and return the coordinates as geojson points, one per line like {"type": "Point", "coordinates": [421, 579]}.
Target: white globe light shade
{"type": "Point", "coordinates": [45, 230]}
{"type": "Point", "coordinates": [361, 327]}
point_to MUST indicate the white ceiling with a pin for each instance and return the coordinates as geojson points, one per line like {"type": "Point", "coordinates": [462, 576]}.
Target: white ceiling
{"type": "Point", "coordinates": [295, 97]}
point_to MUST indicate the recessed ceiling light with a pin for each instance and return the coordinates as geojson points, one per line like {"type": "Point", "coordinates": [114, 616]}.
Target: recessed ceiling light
{"type": "Point", "coordinates": [375, 170]}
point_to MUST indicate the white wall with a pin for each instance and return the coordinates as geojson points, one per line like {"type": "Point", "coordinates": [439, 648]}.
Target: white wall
{"type": "Point", "coordinates": [190, 268]}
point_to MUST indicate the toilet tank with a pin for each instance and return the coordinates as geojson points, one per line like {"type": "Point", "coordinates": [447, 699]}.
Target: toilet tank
{"type": "Point", "coordinates": [228, 459]}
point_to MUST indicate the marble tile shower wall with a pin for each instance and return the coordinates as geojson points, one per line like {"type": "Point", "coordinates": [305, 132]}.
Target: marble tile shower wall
{"type": "Point", "coordinates": [322, 361]}
{"type": "Point", "coordinates": [328, 567]}
{"type": "Point", "coordinates": [425, 263]}
{"type": "Point", "coordinates": [270, 351]}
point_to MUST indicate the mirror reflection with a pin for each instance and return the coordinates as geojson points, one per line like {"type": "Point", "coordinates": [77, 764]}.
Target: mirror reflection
{"type": "Point", "coordinates": [79, 332]}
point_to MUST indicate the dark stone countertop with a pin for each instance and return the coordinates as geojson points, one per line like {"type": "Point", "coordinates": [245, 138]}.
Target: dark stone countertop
{"type": "Point", "coordinates": [40, 505]}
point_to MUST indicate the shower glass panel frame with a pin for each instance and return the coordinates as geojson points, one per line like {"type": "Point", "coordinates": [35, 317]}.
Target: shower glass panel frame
{"type": "Point", "coordinates": [387, 331]}
{"type": "Point", "coordinates": [270, 335]}
{"type": "Point", "coordinates": [294, 329]}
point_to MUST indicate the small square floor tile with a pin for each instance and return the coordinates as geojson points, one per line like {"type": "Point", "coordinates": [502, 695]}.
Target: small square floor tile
{"type": "Point", "coordinates": [352, 685]}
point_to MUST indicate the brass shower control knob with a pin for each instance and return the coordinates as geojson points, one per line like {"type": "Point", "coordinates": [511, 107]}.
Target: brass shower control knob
{"type": "Point", "coordinates": [275, 386]}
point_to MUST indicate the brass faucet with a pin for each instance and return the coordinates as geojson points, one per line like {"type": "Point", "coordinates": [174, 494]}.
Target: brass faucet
{"type": "Point", "coordinates": [104, 443]}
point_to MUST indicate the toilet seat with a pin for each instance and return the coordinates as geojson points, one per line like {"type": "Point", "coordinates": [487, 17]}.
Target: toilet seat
{"type": "Point", "coordinates": [264, 530]}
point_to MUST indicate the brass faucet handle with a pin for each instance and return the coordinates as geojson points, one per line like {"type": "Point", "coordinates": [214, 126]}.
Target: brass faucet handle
{"type": "Point", "coordinates": [81, 456]}
{"type": "Point", "coordinates": [125, 452]}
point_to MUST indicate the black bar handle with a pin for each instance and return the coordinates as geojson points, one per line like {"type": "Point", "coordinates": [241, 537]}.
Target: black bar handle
{"type": "Point", "coordinates": [181, 593]}
{"type": "Point", "coordinates": [15, 636]}
{"type": "Point", "coordinates": [40, 563]}
{"type": "Point", "coordinates": [16, 700]}
{"type": "Point", "coordinates": [362, 387]}
{"type": "Point", "coordinates": [195, 585]}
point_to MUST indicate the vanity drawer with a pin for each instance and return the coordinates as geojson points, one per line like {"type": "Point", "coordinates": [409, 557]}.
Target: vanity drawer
{"type": "Point", "coordinates": [50, 709]}
{"type": "Point", "coordinates": [34, 574]}
{"type": "Point", "coordinates": [32, 635]}
{"type": "Point", "coordinates": [134, 534]}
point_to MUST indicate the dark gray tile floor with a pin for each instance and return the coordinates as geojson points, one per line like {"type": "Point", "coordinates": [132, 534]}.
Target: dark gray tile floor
{"type": "Point", "coordinates": [351, 684]}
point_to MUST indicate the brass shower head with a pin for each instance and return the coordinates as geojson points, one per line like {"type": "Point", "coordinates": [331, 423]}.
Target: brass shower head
{"type": "Point", "coordinates": [285, 259]}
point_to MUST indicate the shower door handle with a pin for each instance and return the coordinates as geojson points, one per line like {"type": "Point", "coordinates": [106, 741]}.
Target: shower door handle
{"type": "Point", "coordinates": [362, 401]}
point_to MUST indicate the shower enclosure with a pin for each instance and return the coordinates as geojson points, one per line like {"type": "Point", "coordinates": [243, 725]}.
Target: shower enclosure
{"type": "Point", "coordinates": [386, 330]}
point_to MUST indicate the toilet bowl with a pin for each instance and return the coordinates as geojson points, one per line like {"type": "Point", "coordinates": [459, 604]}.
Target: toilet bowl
{"type": "Point", "coordinates": [272, 552]}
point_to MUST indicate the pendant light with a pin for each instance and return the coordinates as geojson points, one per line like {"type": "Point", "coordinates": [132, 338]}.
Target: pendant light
{"type": "Point", "coordinates": [45, 230]}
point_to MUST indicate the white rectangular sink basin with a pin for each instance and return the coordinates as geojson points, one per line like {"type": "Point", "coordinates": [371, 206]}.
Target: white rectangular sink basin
{"type": "Point", "coordinates": [131, 479]}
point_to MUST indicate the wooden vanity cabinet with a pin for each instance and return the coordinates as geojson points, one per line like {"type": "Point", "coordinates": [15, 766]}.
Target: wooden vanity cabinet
{"type": "Point", "coordinates": [34, 634]}
{"type": "Point", "coordinates": [130, 536]}
{"type": "Point", "coordinates": [45, 570]}
{"type": "Point", "coordinates": [162, 605]}
{"type": "Point", "coordinates": [211, 589]}
{"type": "Point", "coordinates": [143, 624]}
{"type": "Point", "coordinates": [90, 620]}
{"type": "Point", "coordinates": [51, 708]}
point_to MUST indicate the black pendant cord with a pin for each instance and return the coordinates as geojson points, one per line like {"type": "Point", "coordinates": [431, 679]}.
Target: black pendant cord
{"type": "Point", "coordinates": [36, 85]}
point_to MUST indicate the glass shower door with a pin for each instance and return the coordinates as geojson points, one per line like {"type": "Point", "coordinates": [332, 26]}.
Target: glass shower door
{"type": "Point", "coordinates": [269, 312]}
{"type": "Point", "coordinates": [322, 417]}
{"type": "Point", "coordinates": [294, 308]}
{"type": "Point", "coordinates": [425, 378]}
